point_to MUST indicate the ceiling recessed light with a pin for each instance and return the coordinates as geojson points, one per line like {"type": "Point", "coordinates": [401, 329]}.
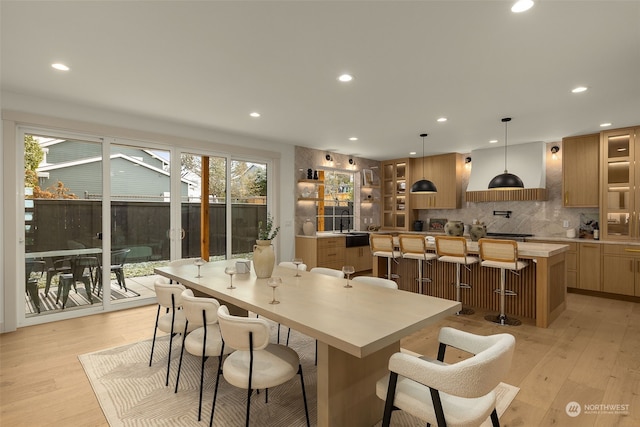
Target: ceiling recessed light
{"type": "Point", "coordinates": [345, 78]}
{"type": "Point", "coordinates": [353, 138]}
{"type": "Point", "coordinates": [442, 119]}
{"type": "Point", "coordinates": [412, 153]}
{"type": "Point", "coordinates": [60, 67]}
{"type": "Point", "coordinates": [579, 89]}
{"type": "Point", "coordinates": [255, 114]}
{"type": "Point", "coordinates": [522, 6]}
{"type": "Point", "coordinates": [604, 125]}
{"type": "Point", "coordinates": [493, 141]}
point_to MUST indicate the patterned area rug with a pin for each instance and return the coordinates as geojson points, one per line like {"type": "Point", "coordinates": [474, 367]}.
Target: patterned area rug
{"type": "Point", "coordinates": [133, 394]}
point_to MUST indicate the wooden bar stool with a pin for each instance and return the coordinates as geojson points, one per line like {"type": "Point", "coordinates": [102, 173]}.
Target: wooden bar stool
{"type": "Point", "coordinates": [453, 249]}
{"type": "Point", "coordinates": [382, 246]}
{"type": "Point", "coordinates": [414, 246]}
{"type": "Point", "coordinates": [502, 254]}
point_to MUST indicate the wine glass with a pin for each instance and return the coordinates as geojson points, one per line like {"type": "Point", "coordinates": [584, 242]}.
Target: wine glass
{"type": "Point", "coordinates": [297, 262]}
{"type": "Point", "coordinates": [230, 271]}
{"type": "Point", "coordinates": [199, 263]}
{"type": "Point", "coordinates": [348, 270]}
{"type": "Point", "coordinates": [274, 282]}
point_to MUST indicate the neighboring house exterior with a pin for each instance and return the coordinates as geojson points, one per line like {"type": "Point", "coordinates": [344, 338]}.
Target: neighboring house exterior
{"type": "Point", "coordinates": [136, 174]}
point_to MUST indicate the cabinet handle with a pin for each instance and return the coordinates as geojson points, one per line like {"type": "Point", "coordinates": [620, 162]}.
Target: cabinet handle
{"type": "Point", "coordinates": [566, 197]}
{"type": "Point", "coordinates": [589, 246]}
{"type": "Point", "coordinates": [632, 250]}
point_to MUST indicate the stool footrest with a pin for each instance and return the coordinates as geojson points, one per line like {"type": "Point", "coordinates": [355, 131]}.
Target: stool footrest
{"type": "Point", "coordinates": [506, 292]}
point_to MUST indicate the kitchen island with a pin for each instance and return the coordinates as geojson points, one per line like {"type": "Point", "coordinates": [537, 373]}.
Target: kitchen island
{"type": "Point", "coordinates": [541, 287]}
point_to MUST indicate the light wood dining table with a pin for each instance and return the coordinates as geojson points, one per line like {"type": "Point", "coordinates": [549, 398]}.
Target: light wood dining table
{"type": "Point", "coordinates": [357, 328]}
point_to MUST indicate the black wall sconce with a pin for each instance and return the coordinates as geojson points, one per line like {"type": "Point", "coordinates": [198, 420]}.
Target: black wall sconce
{"type": "Point", "coordinates": [467, 160]}
{"type": "Point", "coordinates": [328, 157]}
{"type": "Point", "coordinates": [352, 162]}
{"type": "Point", "coordinates": [554, 152]}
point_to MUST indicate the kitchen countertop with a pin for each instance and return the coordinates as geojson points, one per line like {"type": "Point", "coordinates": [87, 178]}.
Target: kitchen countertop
{"type": "Point", "coordinates": [525, 249]}
{"type": "Point", "coordinates": [533, 239]}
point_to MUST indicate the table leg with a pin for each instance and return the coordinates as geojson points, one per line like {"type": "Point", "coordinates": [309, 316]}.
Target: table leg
{"type": "Point", "coordinates": [347, 386]}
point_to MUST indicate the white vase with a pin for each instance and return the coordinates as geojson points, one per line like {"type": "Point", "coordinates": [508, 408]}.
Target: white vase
{"type": "Point", "coordinates": [309, 228]}
{"type": "Point", "coordinates": [264, 258]}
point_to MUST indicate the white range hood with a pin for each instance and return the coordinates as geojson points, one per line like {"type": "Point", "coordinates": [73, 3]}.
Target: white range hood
{"type": "Point", "coordinates": [527, 161]}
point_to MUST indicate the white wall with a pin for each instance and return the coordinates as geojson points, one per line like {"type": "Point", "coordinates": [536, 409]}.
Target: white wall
{"type": "Point", "coordinates": [47, 113]}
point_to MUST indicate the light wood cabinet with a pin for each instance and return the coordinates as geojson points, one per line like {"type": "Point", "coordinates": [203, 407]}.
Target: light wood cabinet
{"type": "Point", "coordinates": [395, 188]}
{"type": "Point", "coordinates": [321, 252]}
{"type": "Point", "coordinates": [360, 257]}
{"type": "Point", "coordinates": [580, 171]}
{"type": "Point", "coordinates": [589, 276]}
{"type": "Point", "coordinates": [570, 260]}
{"type": "Point", "coordinates": [621, 269]}
{"type": "Point", "coordinates": [620, 184]}
{"type": "Point", "coordinates": [445, 171]}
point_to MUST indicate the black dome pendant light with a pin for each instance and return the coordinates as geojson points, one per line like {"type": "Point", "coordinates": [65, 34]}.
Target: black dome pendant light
{"type": "Point", "coordinates": [506, 180]}
{"type": "Point", "coordinates": [423, 186]}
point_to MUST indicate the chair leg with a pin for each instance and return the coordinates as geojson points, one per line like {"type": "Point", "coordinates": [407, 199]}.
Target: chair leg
{"type": "Point", "coordinates": [171, 334]}
{"type": "Point", "coordinates": [180, 364]}
{"type": "Point", "coordinates": [304, 395]}
{"type": "Point", "coordinates": [215, 392]}
{"type": "Point", "coordinates": [64, 286]}
{"type": "Point", "coordinates": [502, 318]}
{"type": "Point", "coordinates": [204, 359]}
{"type": "Point", "coordinates": [87, 288]}
{"type": "Point", "coordinates": [155, 330]}
{"type": "Point", "coordinates": [494, 418]}
{"type": "Point", "coordinates": [459, 287]}
{"type": "Point", "coordinates": [388, 403]}
{"type": "Point", "coordinates": [32, 290]}
{"type": "Point", "coordinates": [420, 282]}
{"type": "Point", "coordinates": [288, 336]}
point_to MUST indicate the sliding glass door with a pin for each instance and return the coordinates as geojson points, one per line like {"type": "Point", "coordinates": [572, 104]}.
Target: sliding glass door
{"type": "Point", "coordinates": [100, 214]}
{"type": "Point", "coordinates": [140, 219]}
{"type": "Point", "coordinates": [62, 224]}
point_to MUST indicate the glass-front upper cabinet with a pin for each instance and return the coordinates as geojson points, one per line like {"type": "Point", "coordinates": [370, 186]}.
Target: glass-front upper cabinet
{"type": "Point", "coordinates": [394, 194]}
{"type": "Point", "coordinates": [620, 184]}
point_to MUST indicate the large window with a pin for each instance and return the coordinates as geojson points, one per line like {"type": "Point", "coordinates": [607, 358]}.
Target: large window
{"type": "Point", "coordinates": [237, 193]}
{"type": "Point", "coordinates": [147, 217]}
{"type": "Point", "coordinates": [337, 213]}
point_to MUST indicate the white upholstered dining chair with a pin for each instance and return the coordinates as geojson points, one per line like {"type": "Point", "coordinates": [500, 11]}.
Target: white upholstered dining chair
{"type": "Point", "coordinates": [328, 272]}
{"type": "Point", "coordinates": [255, 364]}
{"type": "Point", "coordinates": [291, 265]}
{"type": "Point", "coordinates": [205, 339]}
{"type": "Point", "coordinates": [173, 322]}
{"type": "Point", "coordinates": [376, 281]}
{"type": "Point", "coordinates": [459, 394]}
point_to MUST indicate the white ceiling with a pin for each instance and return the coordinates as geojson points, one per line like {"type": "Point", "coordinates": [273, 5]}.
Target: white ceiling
{"type": "Point", "coordinates": [210, 63]}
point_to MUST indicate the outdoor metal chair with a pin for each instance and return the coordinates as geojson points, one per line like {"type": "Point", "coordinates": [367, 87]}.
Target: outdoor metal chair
{"type": "Point", "coordinates": [34, 270]}
{"type": "Point", "coordinates": [118, 259]}
{"type": "Point", "coordinates": [60, 265]}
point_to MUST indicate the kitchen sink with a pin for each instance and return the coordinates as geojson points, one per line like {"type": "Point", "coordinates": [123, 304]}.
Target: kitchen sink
{"type": "Point", "coordinates": [520, 237]}
{"type": "Point", "coordinates": [355, 238]}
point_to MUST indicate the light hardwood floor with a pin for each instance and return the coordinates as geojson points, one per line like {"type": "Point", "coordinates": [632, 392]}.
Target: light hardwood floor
{"type": "Point", "coordinates": [590, 355]}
